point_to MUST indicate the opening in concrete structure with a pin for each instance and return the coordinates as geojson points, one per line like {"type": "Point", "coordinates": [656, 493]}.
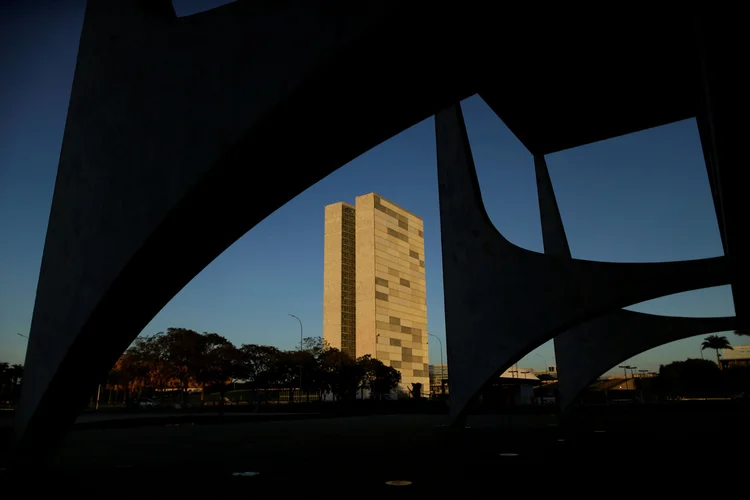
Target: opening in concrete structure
{"type": "Point", "coordinates": [185, 8]}
{"type": "Point", "coordinates": [505, 170]}
{"type": "Point", "coordinates": [672, 372]}
{"type": "Point", "coordinates": [703, 303]}
{"type": "Point", "coordinates": [643, 197]}
{"type": "Point", "coordinates": [678, 351]}
{"type": "Point", "coordinates": [277, 270]}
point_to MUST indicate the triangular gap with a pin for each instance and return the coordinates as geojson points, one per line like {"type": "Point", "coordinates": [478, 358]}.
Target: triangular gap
{"type": "Point", "coordinates": [185, 8]}
{"type": "Point", "coordinates": [710, 302]}
{"type": "Point", "coordinates": [505, 170]}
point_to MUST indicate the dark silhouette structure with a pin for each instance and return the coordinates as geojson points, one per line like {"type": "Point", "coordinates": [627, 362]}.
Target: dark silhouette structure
{"type": "Point", "coordinates": [589, 349]}
{"type": "Point", "coordinates": [182, 134]}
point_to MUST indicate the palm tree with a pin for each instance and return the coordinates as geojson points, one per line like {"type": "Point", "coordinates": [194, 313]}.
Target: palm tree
{"type": "Point", "coordinates": [715, 342]}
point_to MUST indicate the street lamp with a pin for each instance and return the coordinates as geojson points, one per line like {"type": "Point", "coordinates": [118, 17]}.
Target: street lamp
{"type": "Point", "coordinates": [546, 366]}
{"type": "Point", "coordinates": [300, 350]}
{"type": "Point", "coordinates": [442, 365]}
{"type": "Point", "coordinates": [625, 369]}
{"type": "Point", "coordinates": [22, 335]}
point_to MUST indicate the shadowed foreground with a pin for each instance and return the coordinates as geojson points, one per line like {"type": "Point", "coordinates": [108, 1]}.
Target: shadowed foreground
{"type": "Point", "coordinates": [358, 454]}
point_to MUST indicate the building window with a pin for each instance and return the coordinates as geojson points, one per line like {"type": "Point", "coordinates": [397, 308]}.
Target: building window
{"type": "Point", "coordinates": [381, 282]}
{"type": "Point", "coordinates": [405, 329]}
{"type": "Point", "coordinates": [414, 254]}
{"type": "Point", "coordinates": [405, 283]}
{"type": "Point", "coordinates": [396, 234]}
{"type": "Point", "coordinates": [420, 233]}
{"type": "Point", "coordinates": [381, 296]}
{"type": "Point", "coordinates": [395, 342]}
{"type": "Point", "coordinates": [403, 225]}
{"type": "Point", "coordinates": [394, 320]}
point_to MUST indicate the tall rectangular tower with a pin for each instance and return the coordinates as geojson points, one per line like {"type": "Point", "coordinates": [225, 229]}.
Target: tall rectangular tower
{"type": "Point", "coordinates": [339, 278]}
{"type": "Point", "coordinates": [374, 270]}
{"type": "Point", "coordinates": [391, 294]}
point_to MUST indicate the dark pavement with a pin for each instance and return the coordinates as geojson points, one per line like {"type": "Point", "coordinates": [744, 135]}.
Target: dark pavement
{"type": "Point", "coordinates": [638, 452]}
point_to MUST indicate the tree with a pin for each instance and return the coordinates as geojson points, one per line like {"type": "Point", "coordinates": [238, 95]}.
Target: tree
{"type": "Point", "coordinates": [387, 379]}
{"type": "Point", "coordinates": [219, 364]}
{"type": "Point", "coordinates": [315, 345]}
{"type": "Point", "coordinates": [7, 385]}
{"type": "Point", "coordinates": [310, 359]}
{"type": "Point", "coordinates": [416, 390]}
{"type": "Point", "coordinates": [184, 350]}
{"type": "Point", "coordinates": [133, 370]}
{"type": "Point", "coordinates": [377, 377]}
{"type": "Point", "coordinates": [259, 365]}
{"type": "Point", "coordinates": [153, 355]}
{"type": "Point", "coordinates": [10, 381]}
{"type": "Point", "coordinates": [343, 374]}
{"type": "Point", "coordinates": [689, 377]}
{"type": "Point", "coordinates": [4, 379]}
{"type": "Point", "coordinates": [716, 342]}
{"type": "Point", "coordinates": [16, 374]}
{"type": "Point", "coordinates": [742, 332]}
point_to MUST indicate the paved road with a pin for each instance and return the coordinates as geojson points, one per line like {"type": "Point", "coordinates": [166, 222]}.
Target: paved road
{"type": "Point", "coordinates": [354, 457]}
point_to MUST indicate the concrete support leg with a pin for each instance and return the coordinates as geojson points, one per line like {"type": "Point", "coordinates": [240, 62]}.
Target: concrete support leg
{"type": "Point", "coordinates": [501, 301]}
{"type": "Point", "coordinates": [589, 349]}
{"type": "Point", "coordinates": [181, 135]}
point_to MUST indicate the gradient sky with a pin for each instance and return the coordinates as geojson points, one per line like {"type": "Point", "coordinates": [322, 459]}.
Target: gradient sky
{"type": "Point", "coordinates": [638, 198]}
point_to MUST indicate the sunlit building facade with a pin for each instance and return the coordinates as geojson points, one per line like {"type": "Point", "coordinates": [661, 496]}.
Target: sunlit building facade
{"type": "Point", "coordinates": [374, 299]}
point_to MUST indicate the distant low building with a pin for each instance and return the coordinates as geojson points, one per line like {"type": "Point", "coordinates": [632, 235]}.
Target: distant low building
{"type": "Point", "coordinates": [439, 379]}
{"type": "Point", "coordinates": [739, 356]}
{"type": "Point", "coordinates": [520, 373]}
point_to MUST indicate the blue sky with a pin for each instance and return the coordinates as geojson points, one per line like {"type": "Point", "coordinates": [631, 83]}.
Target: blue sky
{"type": "Point", "coordinates": [639, 198]}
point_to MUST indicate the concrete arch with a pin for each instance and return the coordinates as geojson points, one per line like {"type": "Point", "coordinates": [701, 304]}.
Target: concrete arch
{"type": "Point", "coordinates": [588, 350]}
{"type": "Point", "coordinates": [502, 300]}
{"type": "Point", "coordinates": [177, 142]}
{"type": "Point", "coordinates": [183, 133]}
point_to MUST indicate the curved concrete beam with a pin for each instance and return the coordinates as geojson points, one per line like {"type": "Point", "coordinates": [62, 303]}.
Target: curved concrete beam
{"type": "Point", "coordinates": [182, 134]}
{"type": "Point", "coordinates": [588, 350]}
{"type": "Point", "coordinates": [501, 300]}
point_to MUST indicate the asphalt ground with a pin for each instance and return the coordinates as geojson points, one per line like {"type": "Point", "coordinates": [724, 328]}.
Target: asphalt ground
{"type": "Point", "coordinates": [617, 452]}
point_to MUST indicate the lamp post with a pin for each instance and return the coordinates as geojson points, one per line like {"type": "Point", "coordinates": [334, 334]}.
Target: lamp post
{"type": "Point", "coordinates": [546, 366]}
{"type": "Point", "coordinates": [442, 365]}
{"type": "Point", "coordinates": [625, 369]}
{"type": "Point", "coordinates": [300, 349]}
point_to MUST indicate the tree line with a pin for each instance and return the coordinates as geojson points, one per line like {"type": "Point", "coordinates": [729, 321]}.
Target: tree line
{"type": "Point", "coordinates": [182, 359]}
{"type": "Point", "coordinates": [10, 382]}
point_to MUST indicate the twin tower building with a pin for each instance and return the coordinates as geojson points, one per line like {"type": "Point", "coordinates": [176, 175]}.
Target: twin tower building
{"type": "Point", "coordinates": [374, 298]}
